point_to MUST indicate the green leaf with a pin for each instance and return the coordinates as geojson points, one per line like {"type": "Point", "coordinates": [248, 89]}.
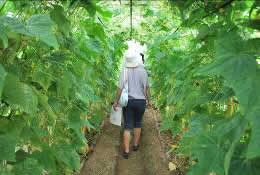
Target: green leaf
{"type": "Point", "coordinates": [13, 24]}
{"type": "Point", "coordinates": [194, 16]}
{"type": "Point", "coordinates": [46, 158]}
{"type": "Point", "coordinates": [17, 93]}
{"type": "Point", "coordinates": [253, 147]}
{"type": "Point", "coordinates": [67, 155]}
{"type": "Point", "coordinates": [12, 128]}
{"type": "Point", "coordinates": [5, 171]}
{"type": "Point", "coordinates": [10, 131]}
{"type": "Point", "coordinates": [58, 16]}
{"type": "Point", "coordinates": [209, 154]}
{"type": "Point", "coordinates": [3, 36]}
{"type": "Point", "coordinates": [76, 123]}
{"type": "Point", "coordinates": [99, 32]}
{"type": "Point", "coordinates": [240, 165]}
{"type": "Point", "coordinates": [42, 78]}
{"type": "Point", "coordinates": [238, 69]}
{"type": "Point", "coordinates": [2, 79]}
{"type": "Point", "coordinates": [90, 7]}
{"type": "Point", "coordinates": [21, 155]}
{"type": "Point", "coordinates": [203, 31]}
{"type": "Point", "coordinates": [94, 46]}
{"type": "Point", "coordinates": [255, 24]}
{"type": "Point", "coordinates": [7, 147]}
{"type": "Point", "coordinates": [84, 92]}
{"type": "Point", "coordinates": [28, 167]}
{"type": "Point", "coordinates": [253, 45]}
{"type": "Point", "coordinates": [43, 101]}
{"type": "Point", "coordinates": [33, 135]}
{"type": "Point", "coordinates": [104, 13]}
{"type": "Point", "coordinates": [239, 130]}
{"type": "Point", "coordinates": [41, 26]}
{"type": "Point", "coordinates": [64, 84]}
{"type": "Point", "coordinates": [196, 128]}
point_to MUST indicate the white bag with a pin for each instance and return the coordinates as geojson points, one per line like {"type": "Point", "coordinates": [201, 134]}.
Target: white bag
{"type": "Point", "coordinates": [124, 95]}
{"type": "Point", "coordinates": [116, 116]}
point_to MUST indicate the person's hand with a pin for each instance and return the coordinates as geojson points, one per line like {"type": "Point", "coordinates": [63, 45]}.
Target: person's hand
{"type": "Point", "coordinates": [115, 105]}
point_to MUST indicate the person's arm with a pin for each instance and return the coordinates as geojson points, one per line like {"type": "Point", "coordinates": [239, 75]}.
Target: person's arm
{"type": "Point", "coordinates": [118, 94]}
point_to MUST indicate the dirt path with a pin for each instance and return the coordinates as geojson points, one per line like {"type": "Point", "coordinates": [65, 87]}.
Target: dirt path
{"type": "Point", "coordinates": [107, 158]}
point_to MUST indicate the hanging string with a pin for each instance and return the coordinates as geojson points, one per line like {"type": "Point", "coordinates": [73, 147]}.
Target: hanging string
{"type": "Point", "coordinates": [131, 18]}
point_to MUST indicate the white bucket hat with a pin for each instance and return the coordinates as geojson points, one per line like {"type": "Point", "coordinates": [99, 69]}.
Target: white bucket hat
{"type": "Point", "coordinates": [132, 58]}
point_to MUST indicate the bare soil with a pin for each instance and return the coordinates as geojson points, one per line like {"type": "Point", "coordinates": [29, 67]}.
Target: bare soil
{"type": "Point", "coordinates": [150, 159]}
{"type": "Point", "coordinates": [167, 141]}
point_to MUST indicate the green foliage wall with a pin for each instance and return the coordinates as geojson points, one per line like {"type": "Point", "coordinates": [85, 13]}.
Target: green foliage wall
{"type": "Point", "coordinates": [205, 79]}
{"type": "Point", "coordinates": [57, 66]}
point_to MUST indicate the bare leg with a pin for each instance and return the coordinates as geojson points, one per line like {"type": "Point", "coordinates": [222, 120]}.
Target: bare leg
{"type": "Point", "coordinates": [127, 137]}
{"type": "Point", "coordinates": [137, 133]}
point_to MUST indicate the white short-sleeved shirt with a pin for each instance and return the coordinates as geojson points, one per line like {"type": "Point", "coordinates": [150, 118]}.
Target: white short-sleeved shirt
{"type": "Point", "coordinates": [137, 82]}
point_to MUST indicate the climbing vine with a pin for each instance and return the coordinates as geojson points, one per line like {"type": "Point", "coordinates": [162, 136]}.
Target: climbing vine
{"type": "Point", "coordinates": [58, 67]}
{"type": "Point", "coordinates": [59, 62]}
{"type": "Point", "coordinates": [205, 74]}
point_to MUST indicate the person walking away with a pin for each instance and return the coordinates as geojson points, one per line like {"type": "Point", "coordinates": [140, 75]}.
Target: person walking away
{"type": "Point", "coordinates": [138, 94]}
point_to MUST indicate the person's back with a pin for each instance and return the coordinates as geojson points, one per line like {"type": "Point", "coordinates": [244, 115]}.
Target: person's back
{"type": "Point", "coordinates": [137, 82]}
{"type": "Point", "coordinates": [138, 93]}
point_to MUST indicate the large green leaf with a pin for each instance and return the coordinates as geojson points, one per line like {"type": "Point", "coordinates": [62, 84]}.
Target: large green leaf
{"type": "Point", "coordinates": [238, 69]}
{"type": "Point", "coordinates": [9, 134]}
{"type": "Point", "coordinates": [46, 158]}
{"type": "Point", "coordinates": [41, 26]}
{"type": "Point", "coordinates": [43, 101]}
{"type": "Point", "coordinates": [7, 147]}
{"type": "Point", "coordinates": [239, 166]}
{"type": "Point", "coordinates": [91, 7]}
{"type": "Point", "coordinates": [18, 93]}
{"type": "Point", "coordinates": [197, 127]}
{"type": "Point", "coordinates": [103, 12]}
{"type": "Point", "coordinates": [241, 73]}
{"type": "Point", "coordinates": [210, 156]}
{"type": "Point", "coordinates": [253, 117]}
{"type": "Point", "coordinates": [34, 135]}
{"type": "Point", "coordinates": [3, 36]}
{"type": "Point", "coordinates": [253, 147]}
{"type": "Point", "coordinates": [76, 123]}
{"type": "Point", "coordinates": [13, 24]}
{"type": "Point", "coordinates": [94, 46]}
{"type": "Point", "coordinates": [67, 155]}
{"type": "Point", "coordinates": [12, 128]}
{"type": "Point", "coordinates": [84, 92]}
{"type": "Point", "coordinates": [253, 45]}
{"type": "Point", "coordinates": [2, 79]}
{"type": "Point", "coordinates": [58, 16]}
{"type": "Point", "coordinates": [203, 31]}
{"type": "Point", "coordinates": [5, 171]}
{"type": "Point", "coordinates": [64, 84]}
{"type": "Point", "coordinates": [21, 155]}
{"type": "Point", "coordinates": [29, 167]}
{"type": "Point", "coordinates": [239, 130]}
{"type": "Point", "coordinates": [42, 78]}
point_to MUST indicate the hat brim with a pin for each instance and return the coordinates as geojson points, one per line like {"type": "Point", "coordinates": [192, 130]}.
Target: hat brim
{"type": "Point", "coordinates": [131, 64]}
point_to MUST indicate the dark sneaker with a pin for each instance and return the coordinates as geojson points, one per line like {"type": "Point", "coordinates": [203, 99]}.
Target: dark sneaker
{"type": "Point", "coordinates": [125, 155]}
{"type": "Point", "coordinates": [135, 147]}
